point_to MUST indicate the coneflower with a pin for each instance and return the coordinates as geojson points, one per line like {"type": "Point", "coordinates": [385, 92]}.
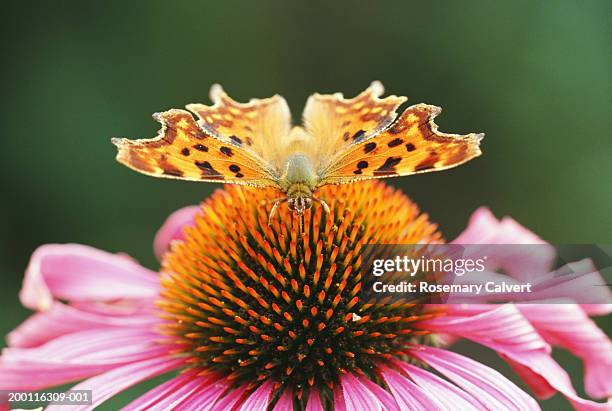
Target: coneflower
{"type": "Point", "coordinates": [281, 302]}
{"type": "Point", "coordinates": [271, 317]}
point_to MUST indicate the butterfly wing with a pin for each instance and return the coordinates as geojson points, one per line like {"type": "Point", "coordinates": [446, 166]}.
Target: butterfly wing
{"type": "Point", "coordinates": [335, 122]}
{"type": "Point", "coordinates": [182, 150]}
{"type": "Point", "coordinates": [260, 126]}
{"type": "Point", "coordinates": [411, 145]}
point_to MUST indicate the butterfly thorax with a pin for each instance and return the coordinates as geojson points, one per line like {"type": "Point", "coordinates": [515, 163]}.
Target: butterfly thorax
{"type": "Point", "coordinates": [298, 181]}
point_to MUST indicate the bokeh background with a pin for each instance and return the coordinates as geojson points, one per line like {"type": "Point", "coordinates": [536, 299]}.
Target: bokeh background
{"type": "Point", "coordinates": [534, 76]}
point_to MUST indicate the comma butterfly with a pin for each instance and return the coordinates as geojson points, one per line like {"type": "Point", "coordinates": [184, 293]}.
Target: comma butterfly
{"type": "Point", "coordinates": [341, 141]}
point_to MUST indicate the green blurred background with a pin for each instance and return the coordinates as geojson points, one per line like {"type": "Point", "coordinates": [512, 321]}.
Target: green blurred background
{"type": "Point", "coordinates": [534, 76]}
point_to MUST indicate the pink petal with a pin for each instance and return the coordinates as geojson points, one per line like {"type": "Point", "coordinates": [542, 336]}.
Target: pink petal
{"type": "Point", "coordinates": [514, 233]}
{"type": "Point", "coordinates": [76, 356]}
{"type": "Point", "coordinates": [357, 396]}
{"type": "Point", "coordinates": [231, 399]}
{"type": "Point", "coordinates": [596, 309]}
{"type": "Point", "coordinates": [339, 403]}
{"type": "Point", "coordinates": [482, 228]}
{"type": "Point", "coordinates": [538, 384]}
{"type": "Point", "coordinates": [204, 399]}
{"type": "Point", "coordinates": [448, 395]}
{"type": "Point", "coordinates": [119, 308]}
{"type": "Point", "coordinates": [543, 365]}
{"type": "Point", "coordinates": [485, 228]}
{"type": "Point", "coordinates": [533, 365]}
{"type": "Point", "coordinates": [285, 402]}
{"type": "Point", "coordinates": [259, 399]}
{"type": "Point", "coordinates": [578, 281]}
{"type": "Point", "coordinates": [501, 327]}
{"type": "Point", "coordinates": [567, 326]}
{"type": "Point", "coordinates": [172, 229]}
{"type": "Point", "coordinates": [520, 262]}
{"type": "Point", "coordinates": [314, 401]}
{"type": "Point", "coordinates": [485, 384]}
{"type": "Point", "coordinates": [79, 273]}
{"type": "Point", "coordinates": [484, 297]}
{"type": "Point", "coordinates": [19, 377]}
{"type": "Point", "coordinates": [63, 319]}
{"type": "Point", "coordinates": [194, 393]}
{"type": "Point", "coordinates": [105, 386]}
{"type": "Point", "coordinates": [386, 400]}
{"type": "Point", "coordinates": [162, 392]}
{"type": "Point", "coordinates": [407, 394]}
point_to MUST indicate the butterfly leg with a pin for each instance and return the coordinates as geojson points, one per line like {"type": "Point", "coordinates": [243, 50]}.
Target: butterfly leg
{"type": "Point", "coordinates": [323, 204]}
{"type": "Point", "coordinates": [276, 202]}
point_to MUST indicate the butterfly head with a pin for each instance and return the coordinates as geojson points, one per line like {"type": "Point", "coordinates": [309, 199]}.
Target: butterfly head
{"type": "Point", "coordinates": [299, 204]}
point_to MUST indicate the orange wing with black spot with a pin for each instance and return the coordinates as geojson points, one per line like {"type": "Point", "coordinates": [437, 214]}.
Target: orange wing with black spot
{"type": "Point", "coordinates": [335, 122]}
{"type": "Point", "coordinates": [261, 125]}
{"type": "Point", "coordinates": [411, 145]}
{"type": "Point", "coordinates": [182, 150]}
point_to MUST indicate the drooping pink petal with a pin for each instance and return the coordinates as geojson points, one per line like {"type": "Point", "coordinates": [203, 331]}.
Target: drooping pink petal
{"type": "Point", "coordinates": [521, 348]}
{"type": "Point", "coordinates": [314, 401]}
{"type": "Point", "coordinates": [540, 364]}
{"type": "Point", "coordinates": [63, 319]}
{"type": "Point", "coordinates": [484, 296]}
{"type": "Point", "coordinates": [481, 229]}
{"type": "Point", "coordinates": [76, 356]}
{"type": "Point", "coordinates": [259, 399]}
{"type": "Point", "coordinates": [124, 307]}
{"type": "Point", "coordinates": [530, 263]}
{"type": "Point", "coordinates": [502, 328]}
{"type": "Point", "coordinates": [203, 388]}
{"type": "Point", "coordinates": [577, 284]}
{"type": "Point", "coordinates": [522, 263]}
{"type": "Point", "coordinates": [407, 394]}
{"type": "Point", "coordinates": [574, 282]}
{"type": "Point", "coordinates": [357, 396]}
{"type": "Point", "coordinates": [80, 273]}
{"type": "Point", "coordinates": [499, 327]}
{"type": "Point", "coordinates": [386, 400]}
{"type": "Point", "coordinates": [231, 399]}
{"type": "Point", "coordinates": [484, 228]}
{"type": "Point", "coordinates": [538, 384]}
{"type": "Point", "coordinates": [448, 395]}
{"type": "Point", "coordinates": [89, 345]}
{"type": "Point", "coordinates": [285, 402]}
{"type": "Point", "coordinates": [514, 233]}
{"type": "Point", "coordinates": [567, 326]}
{"type": "Point", "coordinates": [105, 386]}
{"type": "Point", "coordinates": [19, 377]}
{"type": "Point", "coordinates": [172, 229]}
{"type": "Point", "coordinates": [485, 384]}
{"type": "Point", "coordinates": [339, 403]}
{"type": "Point", "coordinates": [204, 399]}
{"type": "Point", "coordinates": [577, 281]}
{"type": "Point", "coordinates": [596, 309]}
{"type": "Point", "coordinates": [174, 388]}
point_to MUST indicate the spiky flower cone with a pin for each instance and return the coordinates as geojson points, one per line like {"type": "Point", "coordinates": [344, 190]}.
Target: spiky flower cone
{"type": "Point", "coordinates": [281, 302]}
